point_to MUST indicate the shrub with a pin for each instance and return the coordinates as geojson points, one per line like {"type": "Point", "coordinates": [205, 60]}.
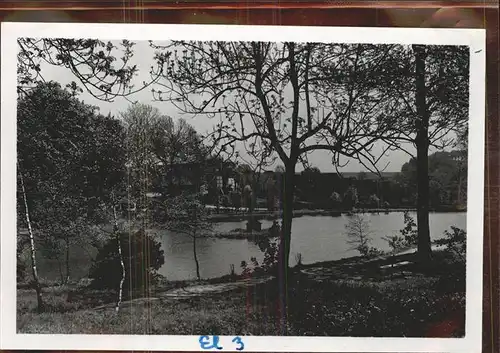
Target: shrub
{"type": "Point", "coordinates": [374, 201]}
{"type": "Point", "coordinates": [374, 252]}
{"type": "Point", "coordinates": [269, 263]}
{"type": "Point", "coordinates": [455, 242]}
{"type": "Point", "coordinates": [409, 232]}
{"type": "Point", "coordinates": [142, 256]}
{"type": "Point", "coordinates": [396, 243]}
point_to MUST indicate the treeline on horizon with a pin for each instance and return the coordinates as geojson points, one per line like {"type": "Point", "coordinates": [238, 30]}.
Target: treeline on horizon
{"type": "Point", "coordinates": [344, 191]}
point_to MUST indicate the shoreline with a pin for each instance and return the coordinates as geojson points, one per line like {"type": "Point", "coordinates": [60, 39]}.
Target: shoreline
{"type": "Point", "coordinates": [165, 284]}
{"type": "Point", "coordinates": [271, 215]}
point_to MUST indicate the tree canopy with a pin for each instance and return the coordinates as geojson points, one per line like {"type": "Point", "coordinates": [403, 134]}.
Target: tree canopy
{"type": "Point", "coordinates": [93, 63]}
{"type": "Point", "coordinates": [257, 92]}
{"type": "Point", "coordinates": [70, 164]}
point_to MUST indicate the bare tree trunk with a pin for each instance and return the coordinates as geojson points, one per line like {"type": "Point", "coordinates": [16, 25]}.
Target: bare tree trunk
{"type": "Point", "coordinates": [196, 258]}
{"type": "Point", "coordinates": [38, 288]}
{"type": "Point", "coordinates": [422, 142]}
{"type": "Point", "coordinates": [284, 248]}
{"type": "Point", "coordinates": [117, 234]}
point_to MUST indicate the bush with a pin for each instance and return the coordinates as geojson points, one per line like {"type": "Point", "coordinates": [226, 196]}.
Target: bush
{"type": "Point", "coordinates": [455, 242]}
{"type": "Point", "coordinates": [409, 232]}
{"type": "Point", "coordinates": [396, 243]}
{"type": "Point", "coordinates": [269, 264]}
{"type": "Point", "coordinates": [374, 252]}
{"type": "Point", "coordinates": [142, 256]}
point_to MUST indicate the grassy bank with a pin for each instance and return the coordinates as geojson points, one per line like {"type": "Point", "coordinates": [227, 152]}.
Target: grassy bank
{"type": "Point", "coordinates": [343, 298]}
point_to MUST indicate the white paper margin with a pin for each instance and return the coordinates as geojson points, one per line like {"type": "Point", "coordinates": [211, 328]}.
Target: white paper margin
{"type": "Point", "coordinates": [475, 38]}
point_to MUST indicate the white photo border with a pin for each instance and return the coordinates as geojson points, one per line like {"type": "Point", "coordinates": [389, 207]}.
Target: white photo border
{"type": "Point", "coordinates": [474, 38]}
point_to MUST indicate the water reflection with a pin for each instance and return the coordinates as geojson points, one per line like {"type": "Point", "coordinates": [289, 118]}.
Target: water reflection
{"type": "Point", "coordinates": [317, 238]}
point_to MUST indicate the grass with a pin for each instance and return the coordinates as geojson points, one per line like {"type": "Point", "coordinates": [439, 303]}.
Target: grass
{"type": "Point", "coordinates": [216, 315]}
{"type": "Point", "coordinates": [411, 301]}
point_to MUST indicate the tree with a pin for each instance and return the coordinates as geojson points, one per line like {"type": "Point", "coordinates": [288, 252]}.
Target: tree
{"type": "Point", "coordinates": [447, 171]}
{"type": "Point", "coordinates": [91, 61]}
{"type": "Point", "coordinates": [69, 158]}
{"type": "Point", "coordinates": [396, 243]}
{"type": "Point", "coordinates": [177, 143]}
{"type": "Point", "coordinates": [336, 200]}
{"type": "Point", "coordinates": [247, 182]}
{"type": "Point", "coordinates": [258, 90]}
{"type": "Point", "coordinates": [186, 214]}
{"type": "Point", "coordinates": [431, 84]}
{"type": "Point", "coordinates": [73, 157]}
{"type": "Point", "coordinates": [350, 198]}
{"type": "Point", "coordinates": [141, 123]}
{"type": "Point", "coordinates": [359, 234]}
{"type": "Point", "coordinates": [310, 186]}
{"type": "Point", "coordinates": [250, 180]}
{"type": "Point", "coordinates": [374, 201]}
{"type": "Point", "coordinates": [462, 151]}
{"type": "Point", "coordinates": [34, 269]}
{"type": "Point", "coordinates": [455, 242]}
{"type": "Point", "coordinates": [409, 233]}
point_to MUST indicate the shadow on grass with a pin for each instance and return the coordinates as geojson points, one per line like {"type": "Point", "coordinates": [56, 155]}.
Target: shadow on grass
{"type": "Point", "coordinates": [412, 300]}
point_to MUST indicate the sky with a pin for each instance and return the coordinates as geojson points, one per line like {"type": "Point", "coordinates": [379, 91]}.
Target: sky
{"type": "Point", "coordinates": [143, 58]}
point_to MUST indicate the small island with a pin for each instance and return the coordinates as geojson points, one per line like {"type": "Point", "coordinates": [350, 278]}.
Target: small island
{"type": "Point", "coordinates": [239, 233]}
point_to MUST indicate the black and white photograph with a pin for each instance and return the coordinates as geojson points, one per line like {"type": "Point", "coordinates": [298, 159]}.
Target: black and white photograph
{"type": "Point", "coordinates": [230, 186]}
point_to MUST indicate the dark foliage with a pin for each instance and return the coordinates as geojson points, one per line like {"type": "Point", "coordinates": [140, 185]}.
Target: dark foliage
{"type": "Point", "coordinates": [142, 256]}
{"type": "Point", "coordinates": [270, 248]}
{"type": "Point", "coordinates": [455, 242]}
{"type": "Point", "coordinates": [384, 309]}
{"type": "Point", "coordinates": [447, 178]}
{"type": "Point", "coordinates": [409, 232]}
{"type": "Point", "coordinates": [20, 270]}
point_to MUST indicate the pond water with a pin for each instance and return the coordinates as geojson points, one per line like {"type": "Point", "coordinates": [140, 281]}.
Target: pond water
{"type": "Point", "coordinates": [316, 238]}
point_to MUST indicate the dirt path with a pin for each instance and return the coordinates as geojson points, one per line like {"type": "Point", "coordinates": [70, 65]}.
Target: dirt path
{"type": "Point", "coordinates": [192, 291]}
{"type": "Point", "coordinates": [202, 289]}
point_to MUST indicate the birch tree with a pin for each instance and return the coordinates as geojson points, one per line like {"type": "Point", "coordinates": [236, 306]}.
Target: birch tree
{"type": "Point", "coordinates": [33, 248]}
